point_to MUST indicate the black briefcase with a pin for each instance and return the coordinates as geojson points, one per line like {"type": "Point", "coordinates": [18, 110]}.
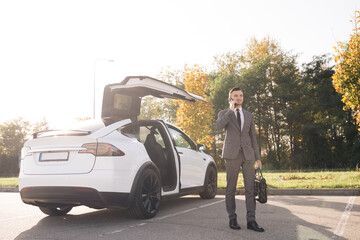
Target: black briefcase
{"type": "Point", "coordinates": [260, 187]}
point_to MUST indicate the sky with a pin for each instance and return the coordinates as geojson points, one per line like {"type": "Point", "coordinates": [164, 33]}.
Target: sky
{"type": "Point", "coordinates": [52, 52]}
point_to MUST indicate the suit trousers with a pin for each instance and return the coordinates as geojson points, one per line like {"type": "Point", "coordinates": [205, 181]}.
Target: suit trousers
{"type": "Point", "coordinates": [232, 171]}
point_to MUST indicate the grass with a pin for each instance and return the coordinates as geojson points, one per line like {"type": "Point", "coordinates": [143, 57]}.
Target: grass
{"type": "Point", "coordinates": [314, 180]}
{"type": "Point", "coordinates": [9, 182]}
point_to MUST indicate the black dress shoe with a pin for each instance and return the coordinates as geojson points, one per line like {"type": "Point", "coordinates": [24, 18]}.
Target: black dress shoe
{"type": "Point", "coordinates": [233, 224]}
{"type": "Point", "coordinates": [254, 226]}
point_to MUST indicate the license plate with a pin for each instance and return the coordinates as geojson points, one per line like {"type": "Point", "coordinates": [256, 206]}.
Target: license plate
{"type": "Point", "coordinates": [54, 156]}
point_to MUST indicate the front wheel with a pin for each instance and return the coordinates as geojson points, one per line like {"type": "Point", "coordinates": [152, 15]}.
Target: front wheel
{"type": "Point", "coordinates": [56, 211]}
{"type": "Point", "coordinates": [147, 198]}
{"type": "Point", "coordinates": [210, 185]}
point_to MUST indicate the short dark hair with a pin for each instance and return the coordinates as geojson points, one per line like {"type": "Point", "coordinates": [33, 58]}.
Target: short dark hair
{"type": "Point", "coordinates": [235, 89]}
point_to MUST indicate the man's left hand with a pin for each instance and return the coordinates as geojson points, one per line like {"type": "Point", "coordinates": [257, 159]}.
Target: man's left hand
{"type": "Point", "coordinates": [258, 164]}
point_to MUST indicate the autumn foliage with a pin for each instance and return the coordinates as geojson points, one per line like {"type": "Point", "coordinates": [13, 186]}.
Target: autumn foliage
{"type": "Point", "coordinates": [346, 79]}
{"type": "Point", "coordinates": [196, 118]}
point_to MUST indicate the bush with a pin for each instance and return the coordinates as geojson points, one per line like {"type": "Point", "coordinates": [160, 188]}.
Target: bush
{"type": "Point", "coordinates": [9, 166]}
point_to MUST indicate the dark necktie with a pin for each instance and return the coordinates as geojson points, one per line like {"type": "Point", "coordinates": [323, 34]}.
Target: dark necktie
{"type": "Point", "coordinates": [238, 118]}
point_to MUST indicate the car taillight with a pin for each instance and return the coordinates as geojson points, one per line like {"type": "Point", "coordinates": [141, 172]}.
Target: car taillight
{"type": "Point", "coordinates": [105, 149]}
{"type": "Point", "coordinates": [101, 149]}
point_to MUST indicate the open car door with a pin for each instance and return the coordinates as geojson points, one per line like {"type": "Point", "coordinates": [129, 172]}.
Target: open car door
{"type": "Point", "coordinates": [123, 100]}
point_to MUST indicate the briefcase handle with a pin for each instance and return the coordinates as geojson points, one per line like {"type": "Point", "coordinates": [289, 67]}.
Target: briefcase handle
{"type": "Point", "coordinates": [259, 171]}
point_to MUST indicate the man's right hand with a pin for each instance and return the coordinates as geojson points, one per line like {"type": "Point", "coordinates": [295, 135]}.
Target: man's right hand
{"type": "Point", "coordinates": [232, 105]}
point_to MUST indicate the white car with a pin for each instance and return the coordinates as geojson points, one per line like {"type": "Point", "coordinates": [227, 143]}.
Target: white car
{"type": "Point", "coordinates": [119, 162]}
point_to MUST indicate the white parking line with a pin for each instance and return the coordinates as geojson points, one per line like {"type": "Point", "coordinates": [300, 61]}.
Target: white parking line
{"type": "Point", "coordinates": [339, 231]}
{"type": "Point", "coordinates": [207, 205]}
{"type": "Point", "coordinates": [173, 215]}
{"type": "Point", "coordinates": [186, 211]}
{"type": "Point", "coordinates": [164, 217]}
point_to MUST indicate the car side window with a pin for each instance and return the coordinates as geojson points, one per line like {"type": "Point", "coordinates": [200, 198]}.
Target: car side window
{"type": "Point", "coordinates": [141, 132]}
{"type": "Point", "coordinates": [128, 131]}
{"type": "Point", "coordinates": [145, 131]}
{"type": "Point", "coordinates": [180, 139]}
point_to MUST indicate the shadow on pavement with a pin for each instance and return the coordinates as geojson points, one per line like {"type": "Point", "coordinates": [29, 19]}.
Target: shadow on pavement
{"type": "Point", "coordinates": [184, 218]}
{"type": "Point", "coordinates": [312, 201]}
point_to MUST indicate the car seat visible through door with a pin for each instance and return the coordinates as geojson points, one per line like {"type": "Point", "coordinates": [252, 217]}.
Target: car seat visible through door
{"type": "Point", "coordinates": [156, 154]}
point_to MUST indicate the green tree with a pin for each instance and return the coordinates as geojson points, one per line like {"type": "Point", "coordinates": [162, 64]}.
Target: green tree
{"type": "Point", "coordinates": [13, 134]}
{"type": "Point", "coordinates": [327, 137]}
{"type": "Point", "coordinates": [346, 79]}
{"type": "Point", "coordinates": [271, 83]}
{"type": "Point", "coordinates": [269, 78]}
{"type": "Point", "coordinates": [298, 114]}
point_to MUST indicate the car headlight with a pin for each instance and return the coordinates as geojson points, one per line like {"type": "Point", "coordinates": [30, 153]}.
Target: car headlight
{"type": "Point", "coordinates": [25, 152]}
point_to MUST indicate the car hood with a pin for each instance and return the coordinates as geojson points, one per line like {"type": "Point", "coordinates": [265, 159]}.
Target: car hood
{"type": "Point", "coordinates": [123, 100]}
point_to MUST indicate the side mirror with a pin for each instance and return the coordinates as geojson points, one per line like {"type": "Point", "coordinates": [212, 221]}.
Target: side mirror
{"type": "Point", "coordinates": [201, 147]}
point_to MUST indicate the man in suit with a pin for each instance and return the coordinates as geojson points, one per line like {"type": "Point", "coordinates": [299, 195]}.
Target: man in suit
{"type": "Point", "coordinates": [240, 151]}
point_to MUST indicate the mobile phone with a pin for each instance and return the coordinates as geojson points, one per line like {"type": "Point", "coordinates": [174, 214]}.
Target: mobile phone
{"type": "Point", "coordinates": [235, 104]}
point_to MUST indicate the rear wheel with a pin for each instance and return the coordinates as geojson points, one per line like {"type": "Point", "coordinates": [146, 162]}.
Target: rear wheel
{"type": "Point", "coordinates": [210, 185]}
{"type": "Point", "coordinates": [56, 211]}
{"type": "Point", "coordinates": [147, 197]}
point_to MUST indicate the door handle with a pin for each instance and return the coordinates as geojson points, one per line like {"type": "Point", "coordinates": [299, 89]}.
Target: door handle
{"type": "Point", "coordinates": [180, 152]}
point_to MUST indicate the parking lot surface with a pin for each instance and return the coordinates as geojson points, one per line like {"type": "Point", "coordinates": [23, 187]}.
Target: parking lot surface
{"type": "Point", "coordinates": [190, 217]}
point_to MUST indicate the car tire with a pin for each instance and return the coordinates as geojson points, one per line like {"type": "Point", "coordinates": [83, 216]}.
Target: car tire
{"type": "Point", "coordinates": [56, 211]}
{"type": "Point", "coordinates": [147, 196]}
{"type": "Point", "coordinates": [210, 184]}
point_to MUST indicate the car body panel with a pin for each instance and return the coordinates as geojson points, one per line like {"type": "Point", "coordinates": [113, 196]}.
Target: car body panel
{"type": "Point", "coordinates": [58, 155]}
{"type": "Point", "coordinates": [192, 161]}
{"type": "Point", "coordinates": [193, 168]}
{"type": "Point", "coordinates": [101, 180]}
{"type": "Point", "coordinates": [115, 170]}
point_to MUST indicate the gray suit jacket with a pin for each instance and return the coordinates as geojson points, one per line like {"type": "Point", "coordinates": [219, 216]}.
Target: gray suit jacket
{"type": "Point", "coordinates": [234, 140]}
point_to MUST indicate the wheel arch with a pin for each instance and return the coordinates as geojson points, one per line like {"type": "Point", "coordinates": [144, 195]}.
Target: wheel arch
{"type": "Point", "coordinates": [209, 189]}
{"type": "Point", "coordinates": [211, 164]}
{"type": "Point", "coordinates": [146, 165]}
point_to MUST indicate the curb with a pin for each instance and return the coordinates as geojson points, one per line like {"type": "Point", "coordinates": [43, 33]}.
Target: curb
{"type": "Point", "coordinates": [9, 189]}
{"type": "Point", "coordinates": [318, 192]}
{"type": "Point", "coordinates": [272, 191]}
{"type": "Point", "coordinates": [304, 192]}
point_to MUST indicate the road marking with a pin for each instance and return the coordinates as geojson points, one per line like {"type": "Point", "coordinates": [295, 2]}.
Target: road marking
{"type": "Point", "coordinates": [207, 205]}
{"type": "Point", "coordinates": [173, 215]}
{"type": "Point", "coordinates": [186, 211]}
{"type": "Point", "coordinates": [339, 231]}
{"type": "Point", "coordinates": [163, 217]}
{"type": "Point", "coordinates": [116, 231]}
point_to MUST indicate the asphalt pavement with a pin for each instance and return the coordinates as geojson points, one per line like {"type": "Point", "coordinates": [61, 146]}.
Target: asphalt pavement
{"type": "Point", "coordinates": [190, 217]}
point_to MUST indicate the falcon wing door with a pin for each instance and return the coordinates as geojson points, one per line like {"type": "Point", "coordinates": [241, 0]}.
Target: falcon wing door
{"type": "Point", "coordinates": [123, 100]}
